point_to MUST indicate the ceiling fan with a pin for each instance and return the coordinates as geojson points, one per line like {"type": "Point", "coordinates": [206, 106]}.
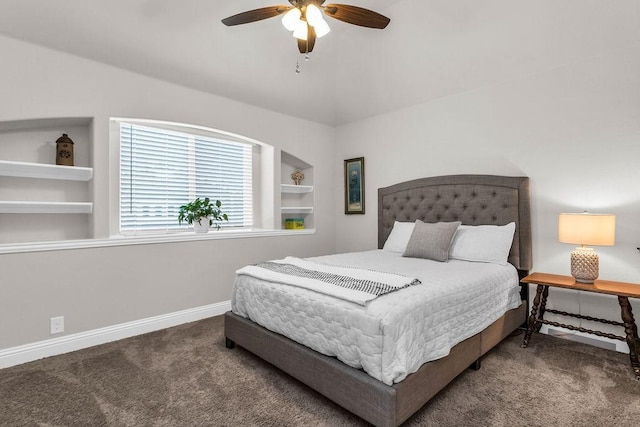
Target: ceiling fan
{"type": "Point", "coordinates": [305, 19]}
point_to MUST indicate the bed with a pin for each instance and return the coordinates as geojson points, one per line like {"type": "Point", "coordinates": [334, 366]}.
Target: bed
{"type": "Point", "coordinates": [470, 199]}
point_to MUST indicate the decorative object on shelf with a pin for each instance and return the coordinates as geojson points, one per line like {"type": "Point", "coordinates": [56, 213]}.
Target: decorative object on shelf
{"type": "Point", "coordinates": [202, 214]}
{"type": "Point", "coordinates": [297, 177]}
{"type": "Point", "coordinates": [64, 151]}
{"type": "Point", "coordinates": [586, 229]}
{"type": "Point", "coordinates": [294, 224]}
{"type": "Point", "coordinates": [354, 186]}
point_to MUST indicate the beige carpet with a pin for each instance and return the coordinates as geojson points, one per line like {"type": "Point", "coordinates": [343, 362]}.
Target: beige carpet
{"type": "Point", "coordinates": [184, 376]}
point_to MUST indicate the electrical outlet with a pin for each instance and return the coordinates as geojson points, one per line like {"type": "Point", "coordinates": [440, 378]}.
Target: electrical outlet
{"type": "Point", "coordinates": [57, 325]}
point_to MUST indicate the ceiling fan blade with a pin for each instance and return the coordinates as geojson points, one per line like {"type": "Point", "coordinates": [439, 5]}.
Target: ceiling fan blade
{"type": "Point", "coordinates": [255, 15]}
{"type": "Point", "coordinates": [356, 15]}
{"type": "Point", "coordinates": [306, 46]}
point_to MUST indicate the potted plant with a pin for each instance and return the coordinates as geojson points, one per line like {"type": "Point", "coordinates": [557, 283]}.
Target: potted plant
{"type": "Point", "coordinates": [202, 214]}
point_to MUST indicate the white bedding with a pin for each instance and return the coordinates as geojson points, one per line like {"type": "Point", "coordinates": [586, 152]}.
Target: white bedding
{"type": "Point", "coordinates": [393, 335]}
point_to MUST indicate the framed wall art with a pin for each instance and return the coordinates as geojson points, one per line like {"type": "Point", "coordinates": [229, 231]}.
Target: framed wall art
{"type": "Point", "coordinates": [354, 186]}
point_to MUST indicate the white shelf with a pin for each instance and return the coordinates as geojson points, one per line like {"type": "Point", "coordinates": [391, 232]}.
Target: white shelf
{"type": "Point", "coordinates": [44, 171]}
{"type": "Point", "coordinates": [296, 210]}
{"type": "Point", "coordinates": [295, 189]}
{"type": "Point", "coordinates": [46, 207]}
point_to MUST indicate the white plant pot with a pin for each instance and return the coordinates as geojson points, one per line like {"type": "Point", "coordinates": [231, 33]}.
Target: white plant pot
{"type": "Point", "coordinates": [201, 225]}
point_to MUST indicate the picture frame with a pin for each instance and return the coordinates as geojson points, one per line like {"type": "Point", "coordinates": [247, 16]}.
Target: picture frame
{"type": "Point", "coordinates": [354, 186]}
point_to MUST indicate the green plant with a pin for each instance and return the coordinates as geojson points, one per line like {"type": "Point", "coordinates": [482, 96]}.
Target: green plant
{"type": "Point", "coordinates": [199, 208]}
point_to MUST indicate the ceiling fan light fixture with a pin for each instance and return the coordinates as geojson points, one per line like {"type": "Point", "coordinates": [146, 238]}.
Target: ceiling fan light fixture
{"type": "Point", "coordinates": [306, 19]}
{"type": "Point", "coordinates": [322, 28]}
{"type": "Point", "coordinates": [314, 15]}
{"type": "Point", "coordinates": [291, 18]}
{"type": "Point", "coordinates": [301, 31]}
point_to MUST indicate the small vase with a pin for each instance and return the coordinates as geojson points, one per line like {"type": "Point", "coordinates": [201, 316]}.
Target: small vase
{"type": "Point", "coordinates": [201, 225]}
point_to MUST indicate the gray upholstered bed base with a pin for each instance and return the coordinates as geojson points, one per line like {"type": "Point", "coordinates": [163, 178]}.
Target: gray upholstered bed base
{"type": "Point", "coordinates": [353, 389]}
{"type": "Point", "coordinates": [472, 199]}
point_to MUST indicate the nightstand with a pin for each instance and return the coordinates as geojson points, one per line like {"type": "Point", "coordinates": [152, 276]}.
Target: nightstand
{"type": "Point", "coordinates": [622, 290]}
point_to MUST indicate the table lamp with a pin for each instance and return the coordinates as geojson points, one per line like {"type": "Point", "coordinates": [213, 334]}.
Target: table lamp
{"type": "Point", "coordinates": [586, 229]}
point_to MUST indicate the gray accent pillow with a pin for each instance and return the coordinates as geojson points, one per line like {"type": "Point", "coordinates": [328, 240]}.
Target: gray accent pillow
{"type": "Point", "coordinates": [431, 240]}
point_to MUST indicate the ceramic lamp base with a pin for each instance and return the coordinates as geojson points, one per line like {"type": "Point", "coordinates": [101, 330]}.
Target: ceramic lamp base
{"type": "Point", "coordinates": [584, 265]}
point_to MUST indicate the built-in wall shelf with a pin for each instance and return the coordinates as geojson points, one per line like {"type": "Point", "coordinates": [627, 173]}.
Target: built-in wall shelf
{"type": "Point", "coordinates": [304, 210]}
{"type": "Point", "coordinates": [39, 200]}
{"type": "Point", "coordinates": [22, 207]}
{"type": "Point", "coordinates": [295, 189]}
{"type": "Point", "coordinates": [296, 201]}
{"type": "Point", "coordinates": [44, 171]}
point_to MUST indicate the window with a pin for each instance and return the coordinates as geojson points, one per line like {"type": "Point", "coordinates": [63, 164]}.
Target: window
{"type": "Point", "coordinates": [161, 169]}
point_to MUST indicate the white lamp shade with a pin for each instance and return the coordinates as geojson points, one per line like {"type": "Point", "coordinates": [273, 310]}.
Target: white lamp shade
{"type": "Point", "coordinates": [314, 15]}
{"type": "Point", "coordinates": [291, 19]}
{"type": "Point", "coordinates": [587, 229]}
{"type": "Point", "coordinates": [301, 31]}
{"type": "Point", "coordinates": [321, 28]}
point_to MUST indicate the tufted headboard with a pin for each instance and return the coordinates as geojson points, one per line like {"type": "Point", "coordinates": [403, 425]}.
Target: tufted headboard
{"type": "Point", "coordinates": [472, 199]}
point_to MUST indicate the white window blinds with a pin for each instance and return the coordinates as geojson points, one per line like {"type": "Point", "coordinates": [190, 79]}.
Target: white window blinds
{"type": "Point", "coordinates": [161, 170]}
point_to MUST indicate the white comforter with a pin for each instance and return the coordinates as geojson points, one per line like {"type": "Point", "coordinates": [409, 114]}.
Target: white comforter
{"type": "Point", "coordinates": [356, 285]}
{"type": "Point", "coordinates": [393, 335]}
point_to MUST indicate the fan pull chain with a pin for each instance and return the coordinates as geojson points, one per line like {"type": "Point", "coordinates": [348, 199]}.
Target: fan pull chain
{"type": "Point", "coordinates": [307, 57]}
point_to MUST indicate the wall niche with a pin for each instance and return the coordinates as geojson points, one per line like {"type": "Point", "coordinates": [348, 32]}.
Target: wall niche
{"type": "Point", "coordinates": [39, 200]}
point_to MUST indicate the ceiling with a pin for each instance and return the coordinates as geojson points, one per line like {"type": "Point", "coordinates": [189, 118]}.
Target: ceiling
{"type": "Point", "coordinates": [431, 49]}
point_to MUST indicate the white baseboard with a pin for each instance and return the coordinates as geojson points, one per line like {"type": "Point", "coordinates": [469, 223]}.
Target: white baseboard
{"type": "Point", "coordinates": [34, 351]}
{"type": "Point", "coordinates": [596, 341]}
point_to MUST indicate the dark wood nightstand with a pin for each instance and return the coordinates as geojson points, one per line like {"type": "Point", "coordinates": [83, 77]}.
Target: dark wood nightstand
{"type": "Point", "coordinates": [622, 290]}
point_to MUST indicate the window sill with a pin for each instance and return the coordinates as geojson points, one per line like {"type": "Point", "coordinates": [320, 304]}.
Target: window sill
{"type": "Point", "coordinates": [146, 240]}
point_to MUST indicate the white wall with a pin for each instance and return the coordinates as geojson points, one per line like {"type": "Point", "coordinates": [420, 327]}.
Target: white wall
{"type": "Point", "coordinates": [573, 129]}
{"type": "Point", "coordinates": [94, 288]}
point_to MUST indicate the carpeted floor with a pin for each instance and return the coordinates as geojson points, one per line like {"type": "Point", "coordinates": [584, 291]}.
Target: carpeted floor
{"type": "Point", "coordinates": [184, 376]}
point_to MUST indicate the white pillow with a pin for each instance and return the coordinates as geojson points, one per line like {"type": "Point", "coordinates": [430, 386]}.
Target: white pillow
{"type": "Point", "coordinates": [399, 237]}
{"type": "Point", "coordinates": [483, 243]}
